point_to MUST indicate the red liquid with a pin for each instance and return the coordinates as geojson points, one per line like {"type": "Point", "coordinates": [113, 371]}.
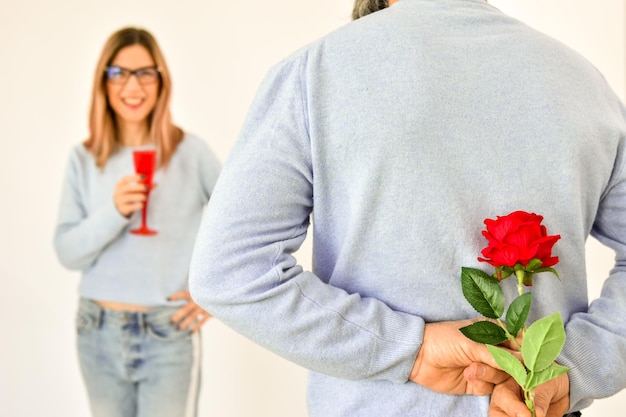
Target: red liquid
{"type": "Point", "coordinates": [145, 164]}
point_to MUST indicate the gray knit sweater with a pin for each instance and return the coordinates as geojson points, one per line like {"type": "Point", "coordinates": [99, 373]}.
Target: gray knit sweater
{"type": "Point", "coordinates": [93, 237]}
{"type": "Point", "coordinates": [396, 136]}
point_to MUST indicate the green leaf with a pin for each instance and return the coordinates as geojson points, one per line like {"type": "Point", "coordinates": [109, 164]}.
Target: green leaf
{"type": "Point", "coordinates": [510, 364]}
{"type": "Point", "coordinates": [551, 372]}
{"type": "Point", "coordinates": [543, 342]}
{"type": "Point", "coordinates": [518, 313]}
{"type": "Point", "coordinates": [483, 292]}
{"type": "Point", "coordinates": [505, 272]}
{"type": "Point", "coordinates": [533, 264]}
{"type": "Point", "coordinates": [549, 270]}
{"type": "Point", "coordinates": [485, 332]}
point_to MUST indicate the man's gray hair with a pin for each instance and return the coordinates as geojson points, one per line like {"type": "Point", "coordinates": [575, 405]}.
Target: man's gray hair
{"type": "Point", "coordinates": [365, 7]}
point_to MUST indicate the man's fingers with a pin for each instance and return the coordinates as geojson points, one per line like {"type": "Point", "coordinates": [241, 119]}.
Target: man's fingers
{"type": "Point", "coordinates": [506, 400]}
{"type": "Point", "coordinates": [481, 378]}
{"type": "Point", "coordinates": [479, 388]}
{"type": "Point", "coordinates": [559, 408]}
{"type": "Point", "coordinates": [478, 371]}
{"type": "Point", "coordinates": [552, 398]}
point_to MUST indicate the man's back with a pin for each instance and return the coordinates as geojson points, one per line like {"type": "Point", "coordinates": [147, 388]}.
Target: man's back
{"type": "Point", "coordinates": [403, 131]}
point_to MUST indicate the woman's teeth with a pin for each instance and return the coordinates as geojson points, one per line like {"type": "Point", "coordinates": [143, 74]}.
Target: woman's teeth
{"type": "Point", "coordinates": [132, 101]}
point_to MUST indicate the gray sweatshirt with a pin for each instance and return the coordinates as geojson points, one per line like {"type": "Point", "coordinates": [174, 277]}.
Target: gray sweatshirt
{"type": "Point", "coordinates": [396, 136]}
{"type": "Point", "coordinates": [93, 237]}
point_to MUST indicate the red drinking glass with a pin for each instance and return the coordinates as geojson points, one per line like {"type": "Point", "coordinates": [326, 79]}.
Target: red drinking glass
{"type": "Point", "coordinates": [145, 164]}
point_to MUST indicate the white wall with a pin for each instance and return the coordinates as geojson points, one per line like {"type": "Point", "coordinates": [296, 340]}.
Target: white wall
{"type": "Point", "coordinates": [218, 52]}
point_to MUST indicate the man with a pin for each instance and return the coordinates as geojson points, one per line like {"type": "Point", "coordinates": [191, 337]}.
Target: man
{"type": "Point", "coordinates": [364, 7]}
{"type": "Point", "coordinates": [402, 132]}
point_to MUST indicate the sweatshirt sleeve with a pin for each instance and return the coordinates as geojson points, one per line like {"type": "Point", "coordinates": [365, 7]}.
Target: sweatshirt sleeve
{"type": "Point", "coordinates": [242, 268]}
{"type": "Point", "coordinates": [80, 236]}
{"type": "Point", "coordinates": [595, 348]}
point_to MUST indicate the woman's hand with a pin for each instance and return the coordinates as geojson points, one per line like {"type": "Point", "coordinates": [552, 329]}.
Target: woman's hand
{"type": "Point", "coordinates": [191, 315]}
{"type": "Point", "coordinates": [130, 194]}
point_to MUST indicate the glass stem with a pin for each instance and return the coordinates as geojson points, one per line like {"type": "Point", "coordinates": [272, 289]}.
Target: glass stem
{"type": "Point", "coordinates": [144, 214]}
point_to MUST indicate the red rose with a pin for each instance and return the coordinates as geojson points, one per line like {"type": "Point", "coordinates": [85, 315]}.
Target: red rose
{"type": "Point", "coordinates": [518, 238]}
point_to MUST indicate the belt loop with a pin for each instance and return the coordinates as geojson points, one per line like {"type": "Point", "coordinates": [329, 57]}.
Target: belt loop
{"type": "Point", "coordinates": [142, 322]}
{"type": "Point", "coordinates": [99, 316]}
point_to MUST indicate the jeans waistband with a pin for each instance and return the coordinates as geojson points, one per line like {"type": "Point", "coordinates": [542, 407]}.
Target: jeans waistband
{"type": "Point", "coordinates": [101, 314]}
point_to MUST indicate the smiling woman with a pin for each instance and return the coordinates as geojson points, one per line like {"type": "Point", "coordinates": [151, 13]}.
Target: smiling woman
{"type": "Point", "coordinates": [132, 98]}
{"type": "Point", "coordinates": [132, 107]}
{"type": "Point", "coordinates": [137, 327]}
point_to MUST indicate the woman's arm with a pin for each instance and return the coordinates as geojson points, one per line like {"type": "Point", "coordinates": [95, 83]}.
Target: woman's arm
{"type": "Point", "coordinates": [80, 235]}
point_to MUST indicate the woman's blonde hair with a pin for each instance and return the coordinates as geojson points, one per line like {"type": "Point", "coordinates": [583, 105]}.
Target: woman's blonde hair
{"type": "Point", "coordinates": [104, 138]}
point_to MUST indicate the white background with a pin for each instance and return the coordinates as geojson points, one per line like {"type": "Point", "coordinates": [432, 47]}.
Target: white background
{"type": "Point", "coordinates": [218, 53]}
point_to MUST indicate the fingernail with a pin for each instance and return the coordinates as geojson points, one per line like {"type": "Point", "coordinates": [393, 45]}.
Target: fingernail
{"type": "Point", "coordinates": [480, 371]}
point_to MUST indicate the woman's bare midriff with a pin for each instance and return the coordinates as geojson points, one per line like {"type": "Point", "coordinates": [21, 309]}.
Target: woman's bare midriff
{"type": "Point", "coordinates": [112, 305]}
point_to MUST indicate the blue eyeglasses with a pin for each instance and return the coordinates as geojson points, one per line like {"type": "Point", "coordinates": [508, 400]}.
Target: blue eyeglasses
{"type": "Point", "coordinates": [119, 76]}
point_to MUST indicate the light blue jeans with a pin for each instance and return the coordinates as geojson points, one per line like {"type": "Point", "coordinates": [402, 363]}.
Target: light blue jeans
{"type": "Point", "coordinates": [137, 364]}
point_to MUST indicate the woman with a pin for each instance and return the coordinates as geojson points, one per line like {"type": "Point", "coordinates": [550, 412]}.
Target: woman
{"type": "Point", "coordinates": [138, 339]}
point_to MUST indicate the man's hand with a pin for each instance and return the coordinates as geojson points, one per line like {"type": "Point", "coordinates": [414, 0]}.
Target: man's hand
{"type": "Point", "coordinates": [551, 399]}
{"type": "Point", "coordinates": [450, 363]}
